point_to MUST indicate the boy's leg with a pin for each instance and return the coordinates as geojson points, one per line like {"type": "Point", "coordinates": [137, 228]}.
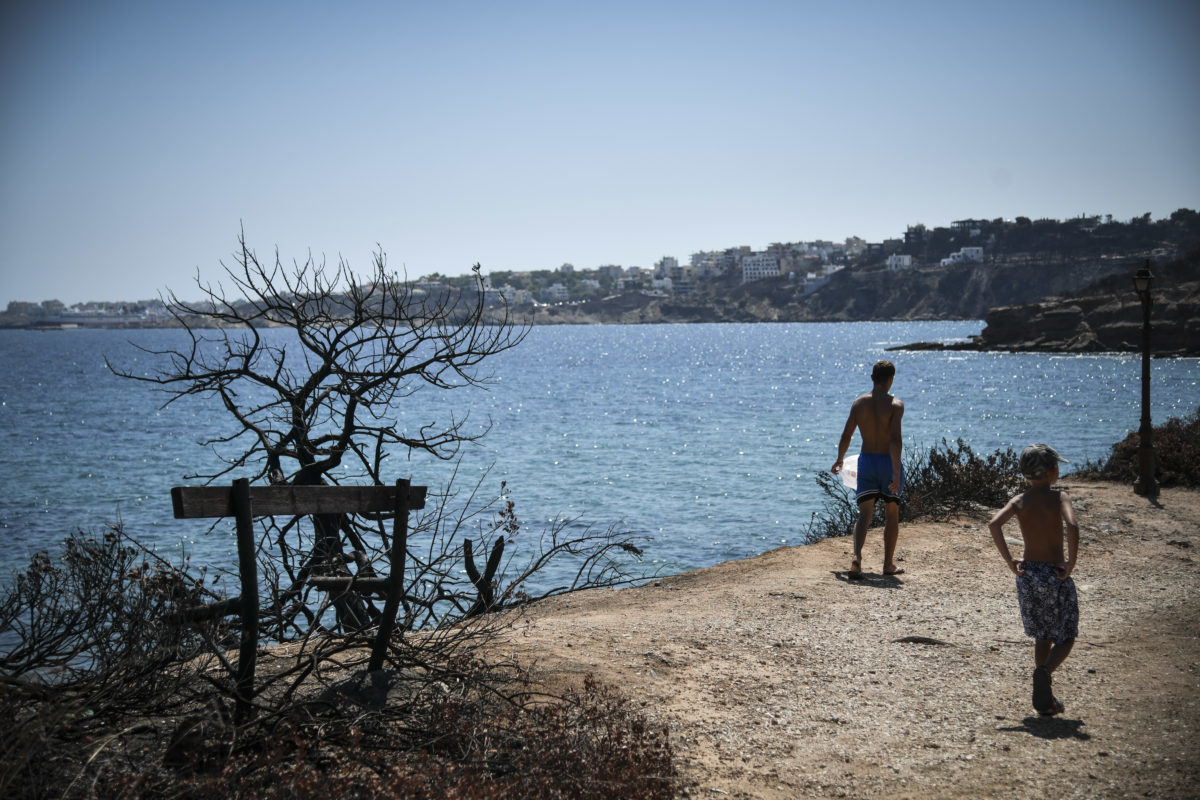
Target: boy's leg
{"type": "Point", "coordinates": [1057, 654]}
{"type": "Point", "coordinates": [1047, 656]}
{"type": "Point", "coordinates": [1041, 651]}
{"type": "Point", "coordinates": [866, 510]}
{"type": "Point", "coordinates": [1050, 655]}
{"type": "Point", "coordinates": [891, 534]}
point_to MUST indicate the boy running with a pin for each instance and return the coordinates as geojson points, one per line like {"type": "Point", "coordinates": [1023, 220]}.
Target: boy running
{"type": "Point", "coordinates": [1045, 590]}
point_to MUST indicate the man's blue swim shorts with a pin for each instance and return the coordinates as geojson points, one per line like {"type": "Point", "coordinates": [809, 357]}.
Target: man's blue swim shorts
{"type": "Point", "coordinates": [874, 475]}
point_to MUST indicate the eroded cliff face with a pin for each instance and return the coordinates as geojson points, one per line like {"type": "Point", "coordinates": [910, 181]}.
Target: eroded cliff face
{"type": "Point", "coordinates": [965, 291]}
{"type": "Point", "coordinates": [1071, 305]}
{"type": "Point", "coordinates": [1099, 323]}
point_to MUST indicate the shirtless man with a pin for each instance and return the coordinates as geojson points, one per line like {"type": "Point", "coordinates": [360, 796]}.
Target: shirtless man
{"type": "Point", "coordinates": [877, 417]}
{"type": "Point", "coordinates": [1045, 590]}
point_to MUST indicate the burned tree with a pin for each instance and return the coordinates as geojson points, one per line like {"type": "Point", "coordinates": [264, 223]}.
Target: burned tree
{"type": "Point", "coordinates": [313, 404]}
{"type": "Point", "coordinates": [312, 365]}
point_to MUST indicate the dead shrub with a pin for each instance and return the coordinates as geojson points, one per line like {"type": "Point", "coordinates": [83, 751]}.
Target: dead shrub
{"type": "Point", "coordinates": [946, 481]}
{"type": "Point", "coordinates": [952, 480]}
{"type": "Point", "coordinates": [109, 696]}
{"type": "Point", "coordinates": [588, 744]}
{"type": "Point", "coordinates": [1176, 451]}
{"type": "Point", "coordinates": [88, 645]}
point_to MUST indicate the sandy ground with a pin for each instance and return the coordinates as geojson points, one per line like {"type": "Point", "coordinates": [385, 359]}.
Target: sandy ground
{"type": "Point", "coordinates": [779, 678]}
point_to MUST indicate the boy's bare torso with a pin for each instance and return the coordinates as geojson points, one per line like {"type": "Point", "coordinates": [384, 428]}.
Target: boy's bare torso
{"type": "Point", "coordinates": [873, 413]}
{"type": "Point", "coordinates": [1039, 513]}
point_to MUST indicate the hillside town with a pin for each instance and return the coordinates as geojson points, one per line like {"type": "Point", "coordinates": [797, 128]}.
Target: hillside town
{"type": "Point", "coordinates": [794, 275]}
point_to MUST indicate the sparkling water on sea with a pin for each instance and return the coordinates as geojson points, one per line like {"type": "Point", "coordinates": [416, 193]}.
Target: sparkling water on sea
{"type": "Point", "coordinates": [705, 438]}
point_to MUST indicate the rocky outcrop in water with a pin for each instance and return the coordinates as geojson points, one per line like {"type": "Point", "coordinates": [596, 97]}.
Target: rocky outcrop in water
{"type": "Point", "coordinates": [1098, 324]}
{"type": "Point", "coordinates": [1102, 322]}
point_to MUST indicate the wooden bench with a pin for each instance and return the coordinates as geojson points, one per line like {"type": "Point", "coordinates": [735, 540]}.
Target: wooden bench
{"type": "Point", "coordinates": [245, 502]}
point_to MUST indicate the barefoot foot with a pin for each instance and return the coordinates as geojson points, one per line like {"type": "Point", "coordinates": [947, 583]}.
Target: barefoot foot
{"type": "Point", "coordinates": [893, 570]}
{"type": "Point", "coordinates": [855, 570]}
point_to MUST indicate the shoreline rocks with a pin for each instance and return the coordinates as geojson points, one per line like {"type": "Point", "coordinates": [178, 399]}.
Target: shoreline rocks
{"type": "Point", "coordinates": [1100, 323]}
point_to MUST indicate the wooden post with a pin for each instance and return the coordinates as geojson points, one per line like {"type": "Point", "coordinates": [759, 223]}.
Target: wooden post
{"type": "Point", "coordinates": [391, 605]}
{"type": "Point", "coordinates": [248, 568]}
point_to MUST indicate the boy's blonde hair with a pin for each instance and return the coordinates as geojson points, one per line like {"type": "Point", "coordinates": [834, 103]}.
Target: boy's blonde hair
{"type": "Point", "coordinates": [1038, 459]}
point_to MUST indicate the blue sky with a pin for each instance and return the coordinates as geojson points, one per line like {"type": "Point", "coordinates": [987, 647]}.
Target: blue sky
{"type": "Point", "coordinates": [137, 137]}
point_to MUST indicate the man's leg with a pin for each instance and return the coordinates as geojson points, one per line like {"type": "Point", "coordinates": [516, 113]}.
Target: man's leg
{"type": "Point", "coordinates": [891, 534]}
{"type": "Point", "coordinates": [866, 510]}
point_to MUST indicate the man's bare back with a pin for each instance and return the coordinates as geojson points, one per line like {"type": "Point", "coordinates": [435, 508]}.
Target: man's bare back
{"type": "Point", "coordinates": [873, 414]}
{"type": "Point", "coordinates": [877, 416]}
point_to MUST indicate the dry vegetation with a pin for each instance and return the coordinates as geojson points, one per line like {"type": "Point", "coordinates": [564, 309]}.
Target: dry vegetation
{"type": "Point", "coordinates": [770, 677]}
{"type": "Point", "coordinates": [1177, 453]}
{"type": "Point", "coordinates": [111, 694]}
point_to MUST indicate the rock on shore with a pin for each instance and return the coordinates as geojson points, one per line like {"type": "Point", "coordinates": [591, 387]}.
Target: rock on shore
{"type": "Point", "coordinates": [1099, 323]}
{"type": "Point", "coordinates": [1095, 323]}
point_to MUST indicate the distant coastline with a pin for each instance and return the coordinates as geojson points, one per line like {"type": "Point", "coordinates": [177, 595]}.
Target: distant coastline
{"type": "Point", "coordinates": [1041, 285]}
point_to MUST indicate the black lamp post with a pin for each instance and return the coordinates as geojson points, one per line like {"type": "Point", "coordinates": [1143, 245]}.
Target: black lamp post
{"type": "Point", "coordinates": [1145, 484]}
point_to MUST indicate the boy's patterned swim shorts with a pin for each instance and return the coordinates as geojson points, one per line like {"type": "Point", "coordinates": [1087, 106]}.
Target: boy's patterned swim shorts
{"type": "Point", "coordinates": [1049, 606]}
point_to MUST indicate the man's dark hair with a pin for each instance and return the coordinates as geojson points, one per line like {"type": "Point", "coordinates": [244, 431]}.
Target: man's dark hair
{"type": "Point", "coordinates": [882, 371]}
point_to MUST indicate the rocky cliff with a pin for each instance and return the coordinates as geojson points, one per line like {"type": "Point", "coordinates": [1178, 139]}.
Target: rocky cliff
{"type": "Point", "coordinates": [965, 291]}
{"type": "Point", "coordinates": [1098, 323]}
{"type": "Point", "coordinates": [1105, 317]}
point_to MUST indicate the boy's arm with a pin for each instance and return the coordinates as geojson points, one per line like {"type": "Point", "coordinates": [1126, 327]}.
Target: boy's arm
{"type": "Point", "coordinates": [996, 526]}
{"type": "Point", "coordinates": [1068, 515]}
{"type": "Point", "coordinates": [844, 442]}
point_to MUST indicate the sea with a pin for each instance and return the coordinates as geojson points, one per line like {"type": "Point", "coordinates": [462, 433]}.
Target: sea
{"type": "Point", "coordinates": [702, 440]}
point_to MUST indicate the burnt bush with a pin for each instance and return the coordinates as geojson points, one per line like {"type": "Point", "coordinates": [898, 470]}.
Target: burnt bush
{"type": "Point", "coordinates": [1176, 450]}
{"type": "Point", "coordinates": [108, 694]}
{"type": "Point", "coordinates": [89, 644]}
{"type": "Point", "coordinates": [952, 480]}
{"type": "Point", "coordinates": [945, 481]}
{"type": "Point", "coordinates": [587, 744]}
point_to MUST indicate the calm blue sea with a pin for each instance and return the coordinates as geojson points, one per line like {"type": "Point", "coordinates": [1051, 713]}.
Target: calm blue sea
{"type": "Point", "coordinates": [706, 438]}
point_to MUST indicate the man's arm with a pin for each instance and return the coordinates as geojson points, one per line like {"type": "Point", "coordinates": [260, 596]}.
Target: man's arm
{"type": "Point", "coordinates": [896, 445]}
{"type": "Point", "coordinates": [844, 442]}
{"type": "Point", "coordinates": [996, 526]}
{"type": "Point", "coordinates": [1068, 515]}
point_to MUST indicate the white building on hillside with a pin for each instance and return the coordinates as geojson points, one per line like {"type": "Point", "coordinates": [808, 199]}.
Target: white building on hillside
{"type": "Point", "coordinates": [555, 293]}
{"type": "Point", "coordinates": [757, 266]}
{"type": "Point", "coordinates": [972, 254]}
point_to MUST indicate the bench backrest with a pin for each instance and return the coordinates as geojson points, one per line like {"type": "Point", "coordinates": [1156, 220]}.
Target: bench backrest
{"type": "Point", "coordinates": [195, 502]}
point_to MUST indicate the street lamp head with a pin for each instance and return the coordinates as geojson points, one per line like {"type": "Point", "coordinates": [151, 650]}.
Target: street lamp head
{"type": "Point", "coordinates": [1142, 281]}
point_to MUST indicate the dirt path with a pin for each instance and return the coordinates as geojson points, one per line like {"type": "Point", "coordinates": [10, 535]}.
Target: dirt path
{"type": "Point", "coordinates": [781, 679]}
